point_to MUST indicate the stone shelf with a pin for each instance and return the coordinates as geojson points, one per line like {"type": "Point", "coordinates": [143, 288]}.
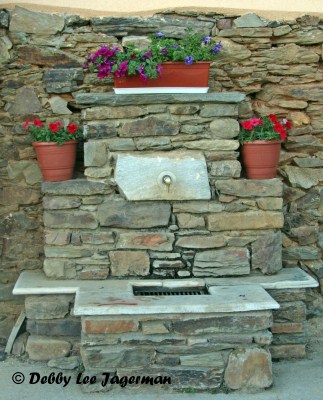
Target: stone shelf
{"type": "Point", "coordinates": [30, 283]}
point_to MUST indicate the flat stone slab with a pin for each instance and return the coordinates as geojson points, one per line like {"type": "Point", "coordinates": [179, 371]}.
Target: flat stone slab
{"type": "Point", "coordinates": [123, 100]}
{"type": "Point", "coordinates": [142, 177]}
{"type": "Point", "coordinates": [117, 298]}
{"type": "Point", "coordinates": [32, 282]}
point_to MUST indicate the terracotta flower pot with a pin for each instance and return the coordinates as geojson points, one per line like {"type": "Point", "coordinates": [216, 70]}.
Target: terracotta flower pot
{"type": "Point", "coordinates": [56, 162]}
{"type": "Point", "coordinates": [260, 158]}
{"type": "Point", "coordinates": [176, 77]}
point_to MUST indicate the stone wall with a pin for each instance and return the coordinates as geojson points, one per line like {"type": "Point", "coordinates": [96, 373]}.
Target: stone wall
{"type": "Point", "coordinates": [276, 63]}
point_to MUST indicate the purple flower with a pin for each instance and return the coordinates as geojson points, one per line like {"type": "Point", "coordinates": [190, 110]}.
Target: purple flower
{"type": "Point", "coordinates": [142, 76]}
{"type": "Point", "coordinates": [216, 48]}
{"type": "Point", "coordinates": [160, 34]}
{"type": "Point", "coordinates": [122, 70]}
{"type": "Point", "coordinates": [189, 60]}
{"type": "Point", "coordinates": [159, 69]}
{"type": "Point", "coordinates": [206, 40]}
{"type": "Point", "coordinates": [147, 55]}
{"type": "Point", "coordinates": [164, 51]}
{"type": "Point", "coordinates": [105, 70]}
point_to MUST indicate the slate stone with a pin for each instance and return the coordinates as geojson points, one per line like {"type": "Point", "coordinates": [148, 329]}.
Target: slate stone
{"type": "Point", "coordinates": [104, 112]}
{"type": "Point", "coordinates": [54, 327]}
{"type": "Point", "coordinates": [140, 42]}
{"type": "Point", "coordinates": [197, 207]}
{"type": "Point", "coordinates": [220, 110]}
{"type": "Point", "coordinates": [47, 306]}
{"type": "Point", "coordinates": [288, 351]}
{"type": "Point", "coordinates": [129, 263]}
{"type": "Point", "coordinates": [304, 234]}
{"type": "Point", "coordinates": [95, 154]}
{"type": "Point", "coordinates": [123, 214]}
{"type": "Point", "coordinates": [190, 221]}
{"type": "Point", "coordinates": [211, 145]}
{"type": "Point", "coordinates": [167, 264]}
{"type": "Point", "coordinates": [67, 252]}
{"type": "Point", "coordinates": [4, 18]}
{"type": "Point", "coordinates": [232, 52]}
{"type": "Point", "coordinates": [224, 128]}
{"type": "Point", "coordinates": [70, 219]}
{"type": "Point", "coordinates": [44, 348]}
{"type": "Point", "coordinates": [5, 46]}
{"type": "Point", "coordinates": [59, 105]}
{"type": "Point", "coordinates": [101, 237]}
{"type": "Point", "coordinates": [49, 57]}
{"type": "Point", "coordinates": [267, 253]}
{"type": "Point", "coordinates": [158, 241]}
{"type": "Point", "coordinates": [231, 261]}
{"type": "Point", "coordinates": [270, 203]}
{"type": "Point", "coordinates": [117, 100]}
{"type": "Point", "coordinates": [256, 32]}
{"type": "Point", "coordinates": [60, 202]}
{"type": "Point", "coordinates": [249, 21]}
{"type": "Point", "coordinates": [106, 129]}
{"type": "Point", "coordinates": [250, 188]}
{"type": "Point", "coordinates": [290, 312]}
{"type": "Point", "coordinates": [62, 80]}
{"type": "Point", "coordinates": [80, 187]}
{"type": "Point", "coordinates": [304, 178]}
{"type": "Point", "coordinates": [245, 220]}
{"type": "Point", "coordinates": [201, 241]}
{"type": "Point", "coordinates": [225, 169]}
{"type": "Point", "coordinates": [301, 253]}
{"type": "Point", "coordinates": [26, 102]}
{"type": "Point", "coordinates": [249, 368]}
{"type": "Point", "coordinates": [23, 20]}
{"type": "Point", "coordinates": [153, 143]}
{"type": "Point", "coordinates": [150, 126]}
{"type": "Point", "coordinates": [57, 238]}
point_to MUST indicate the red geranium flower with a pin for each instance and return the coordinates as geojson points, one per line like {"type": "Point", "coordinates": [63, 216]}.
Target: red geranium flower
{"type": "Point", "coordinates": [37, 122]}
{"type": "Point", "coordinates": [26, 124]}
{"type": "Point", "coordinates": [272, 118]}
{"type": "Point", "coordinates": [54, 127]}
{"type": "Point", "coordinates": [247, 125]}
{"type": "Point", "coordinates": [72, 128]}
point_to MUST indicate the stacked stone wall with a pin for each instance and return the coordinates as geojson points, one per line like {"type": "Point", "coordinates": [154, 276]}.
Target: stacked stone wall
{"type": "Point", "coordinates": [277, 64]}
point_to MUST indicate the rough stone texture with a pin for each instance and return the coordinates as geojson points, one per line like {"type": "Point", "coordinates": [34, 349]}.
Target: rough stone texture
{"type": "Point", "coordinates": [249, 368]}
{"type": "Point", "coordinates": [266, 253]}
{"type": "Point", "coordinates": [81, 187]}
{"type": "Point", "coordinates": [125, 263]}
{"type": "Point", "coordinates": [26, 102]}
{"type": "Point", "coordinates": [42, 348]}
{"type": "Point", "coordinates": [66, 363]}
{"type": "Point", "coordinates": [95, 154]}
{"type": "Point", "coordinates": [54, 327]}
{"type": "Point", "coordinates": [158, 241]}
{"type": "Point", "coordinates": [226, 169]}
{"type": "Point", "coordinates": [224, 262]}
{"type": "Point", "coordinates": [250, 188]}
{"type": "Point", "coordinates": [224, 128]}
{"type": "Point", "coordinates": [70, 219]}
{"type": "Point", "coordinates": [245, 220]}
{"type": "Point", "coordinates": [59, 105]}
{"type": "Point", "coordinates": [125, 214]}
{"type": "Point", "coordinates": [201, 242]}
{"type": "Point", "coordinates": [150, 126]}
{"type": "Point", "coordinates": [97, 326]}
{"type": "Point", "coordinates": [47, 307]}
{"type": "Point", "coordinates": [23, 20]}
{"type": "Point", "coordinates": [62, 80]}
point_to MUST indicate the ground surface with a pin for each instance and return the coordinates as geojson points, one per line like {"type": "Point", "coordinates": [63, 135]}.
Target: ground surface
{"type": "Point", "coordinates": [293, 380]}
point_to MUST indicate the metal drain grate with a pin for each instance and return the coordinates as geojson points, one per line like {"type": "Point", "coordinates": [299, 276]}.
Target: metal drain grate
{"type": "Point", "coordinates": [162, 291]}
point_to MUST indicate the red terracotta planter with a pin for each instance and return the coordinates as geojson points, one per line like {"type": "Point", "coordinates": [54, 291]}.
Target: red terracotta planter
{"type": "Point", "coordinates": [56, 162]}
{"type": "Point", "coordinates": [260, 158]}
{"type": "Point", "coordinates": [177, 77]}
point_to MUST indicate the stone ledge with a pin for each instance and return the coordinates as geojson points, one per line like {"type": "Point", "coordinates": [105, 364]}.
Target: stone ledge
{"type": "Point", "coordinates": [124, 100]}
{"type": "Point", "coordinates": [81, 187]}
{"type": "Point", "coordinates": [30, 282]}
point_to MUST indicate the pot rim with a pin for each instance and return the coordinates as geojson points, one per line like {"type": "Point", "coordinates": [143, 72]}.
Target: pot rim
{"type": "Point", "coordinates": [35, 144]}
{"type": "Point", "coordinates": [255, 142]}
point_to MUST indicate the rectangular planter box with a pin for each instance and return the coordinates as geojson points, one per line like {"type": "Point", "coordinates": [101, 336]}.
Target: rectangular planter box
{"type": "Point", "coordinates": [177, 77]}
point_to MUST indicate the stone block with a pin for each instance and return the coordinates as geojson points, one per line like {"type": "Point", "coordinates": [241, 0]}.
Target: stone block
{"type": "Point", "coordinates": [267, 253]}
{"type": "Point", "coordinates": [60, 202]}
{"type": "Point", "coordinates": [62, 80]}
{"type": "Point", "coordinates": [133, 263]}
{"type": "Point", "coordinates": [153, 327]}
{"type": "Point", "coordinates": [81, 187]}
{"type": "Point", "coordinates": [106, 326]}
{"type": "Point", "coordinates": [230, 261]}
{"type": "Point", "coordinates": [54, 268]}
{"type": "Point", "coordinates": [250, 20]}
{"type": "Point", "coordinates": [249, 368]}
{"type": "Point", "coordinates": [150, 126]}
{"type": "Point", "coordinates": [304, 178]}
{"type": "Point", "coordinates": [26, 102]}
{"type": "Point", "coordinates": [224, 323]}
{"type": "Point", "coordinates": [105, 112]}
{"type": "Point", "coordinates": [250, 188]}
{"type": "Point", "coordinates": [290, 312]}
{"type": "Point", "coordinates": [209, 359]}
{"type": "Point", "coordinates": [225, 169]}
{"type": "Point", "coordinates": [47, 306]}
{"type": "Point", "coordinates": [59, 105]}
{"type": "Point", "coordinates": [168, 264]}
{"type": "Point", "coordinates": [224, 128]}
{"type": "Point", "coordinates": [57, 238]}
{"type": "Point", "coordinates": [44, 348]}
{"type": "Point", "coordinates": [219, 110]}
{"type": "Point", "coordinates": [121, 144]}
{"type": "Point", "coordinates": [245, 220]}
{"type": "Point", "coordinates": [288, 327]}
{"type": "Point", "coordinates": [302, 253]}
{"type": "Point", "coordinates": [201, 241]}
{"type": "Point", "coordinates": [57, 327]}
{"type": "Point", "coordinates": [158, 241]}
{"type": "Point", "coordinates": [184, 109]}
{"type": "Point", "coordinates": [210, 145]}
{"type": "Point", "coordinates": [95, 154]}
{"type": "Point", "coordinates": [102, 130]}
{"type": "Point", "coordinates": [270, 203]}
{"type": "Point", "coordinates": [189, 221]}
{"type": "Point", "coordinates": [153, 144]}
{"type": "Point", "coordinates": [197, 207]}
{"type": "Point", "coordinates": [23, 20]}
{"type": "Point", "coordinates": [288, 351]}
{"type": "Point", "coordinates": [123, 214]}
{"type": "Point", "coordinates": [70, 219]}
{"type": "Point", "coordinates": [101, 237]}
{"type": "Point", "coordinates": [68, 251]}
{"type": "Point", "coordinates": [140, 42]}
{"type": "Point", "coordinates": [66, 363]}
